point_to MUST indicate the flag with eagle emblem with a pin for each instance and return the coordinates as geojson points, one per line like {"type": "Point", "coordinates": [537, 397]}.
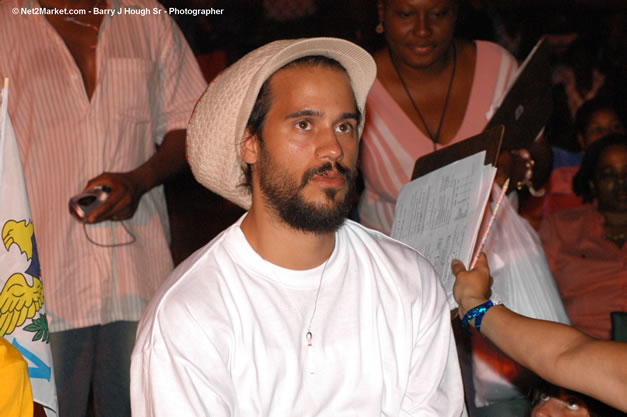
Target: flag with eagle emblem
{"type": "Point", "coordinates": [22, 311]}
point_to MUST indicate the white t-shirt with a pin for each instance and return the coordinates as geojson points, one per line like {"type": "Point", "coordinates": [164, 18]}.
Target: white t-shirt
{"type": "Point", "coordinates": [226, 335]}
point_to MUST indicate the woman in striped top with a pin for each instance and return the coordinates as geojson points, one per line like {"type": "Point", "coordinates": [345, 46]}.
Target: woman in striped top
{"type": "Point", "coordinates": [431, 91]}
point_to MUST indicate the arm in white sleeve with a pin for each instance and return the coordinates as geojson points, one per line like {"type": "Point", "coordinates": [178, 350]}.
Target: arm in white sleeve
{"type": "Point", "coordinates": [435, 386]}
{"type": "Point", "coordinates": [177, 369]}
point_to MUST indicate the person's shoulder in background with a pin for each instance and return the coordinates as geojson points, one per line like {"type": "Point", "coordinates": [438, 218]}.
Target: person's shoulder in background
{"type": "Point", "coordinates": [568, 226]}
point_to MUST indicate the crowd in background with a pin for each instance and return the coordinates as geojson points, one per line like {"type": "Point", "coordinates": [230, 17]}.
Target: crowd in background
{"type": "Point", "coordinates": [576, 199]}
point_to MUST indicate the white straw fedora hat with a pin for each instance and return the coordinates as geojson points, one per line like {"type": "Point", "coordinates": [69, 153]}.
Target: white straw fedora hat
{"type": "Point", "coordinates": [218, 123]}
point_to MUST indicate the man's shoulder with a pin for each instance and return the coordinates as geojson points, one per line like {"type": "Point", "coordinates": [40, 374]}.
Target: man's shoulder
{"type": "Point", "coordinates": [395, 266]}
{"type": "Point", "coordinates": [381, 247]}
{"type": "Point", "coordinates": [192, 291]}
{"type": "Point", "coordinates": [358, 231]}
{"type": "Point", "coordinates": [203, 260]}
{"type": "Point", "coordinates": [201, 269]}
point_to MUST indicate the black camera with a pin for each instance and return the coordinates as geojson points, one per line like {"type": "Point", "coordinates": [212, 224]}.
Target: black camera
{"type": "Point", "coordinates": [81, 205]}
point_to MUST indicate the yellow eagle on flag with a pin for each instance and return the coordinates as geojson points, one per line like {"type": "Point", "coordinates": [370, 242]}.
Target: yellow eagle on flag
{"type": "Point", "coordinates": [18, 299]}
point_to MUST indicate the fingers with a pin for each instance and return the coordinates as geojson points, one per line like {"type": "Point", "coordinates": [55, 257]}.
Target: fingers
{"type": "Point", "coordinates": [121, 201]}
{"type": "Point", "coordinates": [482, 263]}
{"type": "Point", "coordinates": [105, 179]}
{"type": "Point", "coordinates": [116, 207]}
{"type": "Point", "coordinates": [472, 287]}
{"type": "Point", "coordinates": [457, 266]}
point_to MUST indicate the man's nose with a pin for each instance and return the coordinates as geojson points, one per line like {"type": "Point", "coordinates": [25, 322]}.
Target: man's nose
{"type": "Point", "coordinates": [329, 146]}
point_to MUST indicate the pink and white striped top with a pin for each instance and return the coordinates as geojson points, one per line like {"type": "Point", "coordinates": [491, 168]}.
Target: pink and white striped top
{"type": "Point", "coordinates": [391, 142]}
{"type": "Point", "coordinates": [147, 84]}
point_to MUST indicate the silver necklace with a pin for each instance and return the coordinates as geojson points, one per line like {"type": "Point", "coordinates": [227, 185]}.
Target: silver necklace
{"type": "Point", "coordinates": [309, 335]}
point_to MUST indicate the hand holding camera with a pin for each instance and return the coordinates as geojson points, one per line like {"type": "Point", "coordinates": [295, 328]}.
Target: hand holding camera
{"type": "Point", "coordinates": [108, 196]}
{"type": "Point", "coordinates": [83, 204]}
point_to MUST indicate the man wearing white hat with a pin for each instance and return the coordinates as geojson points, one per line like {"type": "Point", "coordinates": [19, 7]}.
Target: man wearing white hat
{"type": "Point", "coordinates": [293, 310]}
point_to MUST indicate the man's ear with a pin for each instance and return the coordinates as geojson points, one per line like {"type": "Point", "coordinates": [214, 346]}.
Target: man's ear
{"type": "Point", "coordinates": [249, 148]}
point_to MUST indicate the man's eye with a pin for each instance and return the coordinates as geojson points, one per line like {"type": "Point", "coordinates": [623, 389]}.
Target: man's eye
{"type": "Point", "coordinates": [544, 397]}
{"type": "Point", "coordinates": [573, 403]}
{"type": "Point", "coordinates": [345, 128]}
{"type": "Point", "coordinates": [303, 124]}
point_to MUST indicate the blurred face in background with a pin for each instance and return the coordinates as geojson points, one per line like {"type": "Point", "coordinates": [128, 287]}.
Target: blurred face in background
{"type": "Point", "coordinates": [562, 404]}
{"type": "Point", "coordinates": [610, 179]}
{"type": "Point", "coordinates": [602, 123]}
{"type": "Point", "coordinates": [418, 33]}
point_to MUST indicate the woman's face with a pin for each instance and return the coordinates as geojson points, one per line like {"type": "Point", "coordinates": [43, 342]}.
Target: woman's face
{"type": "Point", "coordinates": [602, 123]}
{"type": "Point", "coordinates": [563, 405]}
{"type": "Point", "coordinates": [418, 32]}
{"type": "Point", "coordinates": [610, 179]}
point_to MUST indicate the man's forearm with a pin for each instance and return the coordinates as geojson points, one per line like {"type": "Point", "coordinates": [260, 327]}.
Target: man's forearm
{"type": "Point", "coordinates": [561, 354]}
{"type": "Point", "coordinates": [558, 353]}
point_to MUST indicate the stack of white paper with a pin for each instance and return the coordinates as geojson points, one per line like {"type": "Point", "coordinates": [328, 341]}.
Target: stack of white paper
{"type": "Point", "coordinates": [440, 214]}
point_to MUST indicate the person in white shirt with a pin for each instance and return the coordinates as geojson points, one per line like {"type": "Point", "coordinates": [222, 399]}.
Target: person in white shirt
{"type": "Point", "coordinates": [294, 310]}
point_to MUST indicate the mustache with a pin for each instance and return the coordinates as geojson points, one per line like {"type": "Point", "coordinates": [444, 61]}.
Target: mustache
{"type": "Point", "coordinates": [326, 167]}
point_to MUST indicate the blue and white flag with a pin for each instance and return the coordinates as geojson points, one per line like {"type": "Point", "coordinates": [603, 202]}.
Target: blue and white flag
{"type": "Point", "coordinates": [22, 310]}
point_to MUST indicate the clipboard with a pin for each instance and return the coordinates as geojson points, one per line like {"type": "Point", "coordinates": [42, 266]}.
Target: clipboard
{"type": "Point", "coordinates": [527, 105]}
{"type": "Point", "coordinates": [489, 140]}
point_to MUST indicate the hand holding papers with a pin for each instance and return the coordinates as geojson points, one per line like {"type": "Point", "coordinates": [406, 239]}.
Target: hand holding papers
{"type": "Point", "coordinates": [440, 212]}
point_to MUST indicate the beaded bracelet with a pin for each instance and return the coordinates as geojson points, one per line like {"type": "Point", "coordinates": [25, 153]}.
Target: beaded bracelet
{"type": "Point", "coordinates": [477, 313]}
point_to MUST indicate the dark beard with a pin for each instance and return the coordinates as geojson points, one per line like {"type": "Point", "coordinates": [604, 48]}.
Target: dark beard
{"type": "Point", "coordinates": [283, 195]}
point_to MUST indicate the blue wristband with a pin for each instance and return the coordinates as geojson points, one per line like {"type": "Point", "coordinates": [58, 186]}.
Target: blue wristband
{"type": "Point", "coordinates": [477, 313]}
